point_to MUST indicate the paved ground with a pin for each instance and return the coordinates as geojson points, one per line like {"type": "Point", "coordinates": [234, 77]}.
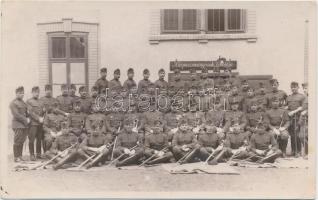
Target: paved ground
{"type": "Point", "coordinates": [263, 182]}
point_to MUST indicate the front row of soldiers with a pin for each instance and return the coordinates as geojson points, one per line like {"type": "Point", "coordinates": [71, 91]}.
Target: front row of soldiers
{"type": "Point", "coordinates": [240, 138]}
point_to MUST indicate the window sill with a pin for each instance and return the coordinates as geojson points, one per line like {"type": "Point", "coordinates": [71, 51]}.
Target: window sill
{"type": "Point", "coordinates": [201, 38]}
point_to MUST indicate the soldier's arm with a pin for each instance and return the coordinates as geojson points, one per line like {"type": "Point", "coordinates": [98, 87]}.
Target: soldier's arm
{"type": "Point", "coordinates": [17, 115]}
{"type": "Point", "coordinates": [243, 121]}
{"type": "Point", "coordinates": [32, 114]}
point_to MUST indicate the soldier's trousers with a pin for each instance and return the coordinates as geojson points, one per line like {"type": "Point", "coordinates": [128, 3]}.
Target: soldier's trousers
{"type": "Point", "coordinates": [294, 135]}
{"type": "Point", "coordinates": [18, 141]}
{"type": "Point", "coordinates": [156, 159]}
{"type": "Point", "coordinates": [127, 160]}
{"type": "Point", "coordinates": [205, 152]}
{"type": "Point", "coordinates": [178, 153]}
{"type": "Point", "coordinates": [282, 140]}
{"type": "Point", "coordinates": [35, 133]}
{"type": "Point", "coordinates": [48, 140]}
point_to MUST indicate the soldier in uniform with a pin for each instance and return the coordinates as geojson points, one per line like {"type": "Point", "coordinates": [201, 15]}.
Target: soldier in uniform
{"type": "Point", "coordinates": [261, 97]}
{"type": "Point", "coordinates": [303, 122]}
{"type": "Point", "coordinates": [156, 145]}
{"type": "Point", "coordinates": [184, 142]}
{"type": "Point", "coordinates": [193, 80]}
{"type": "Point", "coordinates": [20, 123]}
{"type": "Point", "coordinates": [97, 143]}
{"type": "Point", "coordinates": [144, 84]}
{"type": "Point", "coordinates": [114, 120]}
{"type": "Point", "coordinates": [196, 119]}
{"type": "Point", "coordinates": [115, 83]}
{"type": "Point", "coordinates": [73, 92]}
{"type": "Point", "coordinates": [60, 144]}
{"type": "Point", "coordinates": [278, 122]}
{"type": "Point", "coordinates": [263, 146]}
{"type": "Point", "coordinates": [96, 117]}
{"type": "Point", "coordinates": [52, 125]}
{"type": "Point", "coordinates": [254, 117]}
{"type": "Point", "coordinates": [216, 117]}
{"type": "Point", "coordinates": [235, 95]}
{"type": "Point", "coordinates": [172, 118]}
{"type": "Point", "coordinates": [161, 83]}
{"type": "Point", "coordinates": [235, 120]}
{"type": "Point", "coordinates": [85, 100]}
{"type": "Point", "coordinates": [209, 141]}
{"type": "Point", "coordinates": [102, 82]}
{"type": "Point", "coordinates": [206, 82]}
{"type": "Point", "coordinates": [65, 101]}
{"type": "Point", "coordinates": [130, 82]}
{"type": "Point", "coordinates": [94, 94]}
{"type": "Point", "coordinates": [36, 111]}
{"type": "Point", "coordinates": [76, 121]}
{"type": "Point", "coordinates": [250, 97]}
{"type": "Point", "coordinates": [295, 103]}
{"type": "Point", "coordinates": [128, 143]}
{"type": "Point", "coordinates": [133, 115]}
{"type": "Point", "coordinates": [280, 94]}
{"type": "Point", "coordinates": [150, 116]}
{"type": "Point", "coordinates": [48, 100]}
{"type": "Point", "coordinates": [244, 88]}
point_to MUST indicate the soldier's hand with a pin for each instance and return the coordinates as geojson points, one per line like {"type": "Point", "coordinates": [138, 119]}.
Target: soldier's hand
{"type": "Point", "coordinates": [135, 130]}
{"type": "Point", "coordinates": [291, 113]}
{"type": "Point", "coordinates": [276, 131]}
{"type": "Point", "coordinates": [161, 153]}
{"type": "Point", "coordinates": [132, 152]}
{"type": "Point", "coordinates": [41, 119]}
{"type": "Point", "coordinates": [260, 152]}
{"type": "Point", "coordinates": [53, 134]}
{"type": "Point", "coordinates": [66, 114]}
{"type": "Point", "coordinates": [126, 151]}
{"type": "Point", "coordinates": [156, 152]}
{"type": "Point", "coordinates": [28, 120]}
{"type": "Point", "coordinates": [174, 130]}
{"type": "Point", "coordinates": [282, 129]}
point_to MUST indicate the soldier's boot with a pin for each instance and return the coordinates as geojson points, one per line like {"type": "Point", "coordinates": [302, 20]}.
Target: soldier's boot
{"type": "Point", "coordinates": [163, 159]}
{"type": "Point", "coordinates": [31, 151]}
{"type": "Point", "coordinates": [64, 160]}
{"type": "Point", "coordinates": [97, 159]}
{"type": "Point", "coordinates": [130, 160]}
{"type": "Point", "coordinates": [217, 157]}
{"type": "Point", "coordinates": [16, 152]}
{"type": "Point", "coordinates": [20, 150]}
{"type": "Point", "coordinates": [270, 158]}
{"type": "Point", "coordinates": [190, 157]}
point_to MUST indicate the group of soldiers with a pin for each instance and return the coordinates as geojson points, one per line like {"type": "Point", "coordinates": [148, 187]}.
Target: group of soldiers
{"type": "Point", "coordinates": [151, 123]}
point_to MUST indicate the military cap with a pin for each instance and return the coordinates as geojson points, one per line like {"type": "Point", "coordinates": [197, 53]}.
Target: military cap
{"type": "Point", "coordinates": [272, 81]}
{"type": "Point", "coordinates": [130, 71]}
{"type": "Point", "coordinates": [73, 86]}
{"type": "Point", "coordinates": [82, 88]}
{"type": "Point", "coordinates": [146, 71]}
{"type": "Point", "coordinates": [117, 71]}
{"type": "Point", "coordinates": [19, 89]}
{"type": "Point", "coordinates": [294, 84]}
{"type": "Point", "coordinates": [48, 87]}
{"type": "Point", "coordinates": [304, 84]}
{"type": "Point", "coordinates": [64, 87]}
{"type": "Point", "coordinates": [35, 89]}
{"type": "Point", "coordinates": [103, 69]}
{"type": "Point", "coordinates": [161, 70]}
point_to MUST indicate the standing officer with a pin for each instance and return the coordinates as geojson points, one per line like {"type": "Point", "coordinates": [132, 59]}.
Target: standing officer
{"type": "Point", "coordinates": [36, 111]}
{"type": "Point", "coordinates": [278, 122]}
{"type": "Point", "coordinates": [161, 83]}
{"type": "Point", "coordinates": [115, 83]}
{"type": "Point", "coordinates": [102, 82]}
{"type": "Point", "coordinates": [303, 122]}
{"type": "Point", "coordinates": [48, 100]}
{"type": "Point", "coordinates": [280, 94]}
{"type": "Point", "coordinates": [65, 101]}
{"type": "Point", "coordinates": [130, 82]}
{"type": "Point", "coordinates": [295, 103]}
{"type": "Point", "coordinates": [144, 84]}
{"type": "Point", "coordinates": [85, 100]}
{"type": "Point", "coordinates": [20, 123]}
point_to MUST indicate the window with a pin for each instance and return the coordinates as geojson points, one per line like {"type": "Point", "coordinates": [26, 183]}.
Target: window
{"type": "Point", "coordinates": [223, 21]}
{"type": "Point", "coordinates": [180, 21]}
{"type": "Point", "coordinates": [77, 47]}
{"type": "Point", "coordinates": [58, 47]}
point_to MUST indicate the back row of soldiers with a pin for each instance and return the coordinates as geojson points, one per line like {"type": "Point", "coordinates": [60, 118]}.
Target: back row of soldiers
{"type": "Point", "coordinates": [248, 123]}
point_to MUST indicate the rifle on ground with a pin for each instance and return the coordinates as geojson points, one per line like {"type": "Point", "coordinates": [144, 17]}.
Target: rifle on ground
{"type": "Point", "coordinates": [119, 157]}
{"type": "Point", "coordinates": [151, 157]}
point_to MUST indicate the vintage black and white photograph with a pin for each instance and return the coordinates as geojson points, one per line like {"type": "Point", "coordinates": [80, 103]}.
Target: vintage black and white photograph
{"type": "Point", "coordinates": [158, 99]}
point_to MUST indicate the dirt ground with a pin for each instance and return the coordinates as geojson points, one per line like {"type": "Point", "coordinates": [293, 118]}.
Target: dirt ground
{"type": "Point", "coordinates": [263, 182]}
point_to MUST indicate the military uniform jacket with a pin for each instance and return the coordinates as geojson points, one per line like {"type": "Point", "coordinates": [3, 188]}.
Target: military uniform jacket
{"type": "Point", "coordinates": [207, 83]}
{"type": "Point", "coordinates": [36, 110]}
{"type": "Point", "coordinates": [150, 118]}
{"type": "Point", "coordinates": [143, 86]}
{"type": "Point", "coordinates": [129, 83]}
{"type": "Point", "coordinates": [161, 84]}
{"type": "Point", "coordinates": [63, 142]}
{"type": "Point", "coordinates": [172, 119]}
{"type": "Point", "coordinates": [262, 101]}
{"type": "Point", "coordinates": [253, 118]}
{"type": "Point", "coordinates": [262, 141]}
{"type": "Point", "coordinates": [114, 120]}
{"type": "Point", "coordinates": [278, 116]}
{"type": "Point", "coordinates": [279, 94]}
{"type": "Point", "coordinates": [95, 118]}
{"type": "Point", "coordinates": [113, 84]}
{"type": "Point", "coordinates": [65, 103]}
{"type": "Point", "coordinates": [195, 118]}
{"type": "Point", "coordinates": [215, 117]}
{"type": "Point", "coordinates": [101, 84]}
{"type": "Point", "coordinates": [52, 122]}
{"type": "Point", "coordinates": [73, 97]}
{"type": "Point", "coordinates": [77, 121]}
{"type": "Point", "coordinates": [209, 140]}
{"type": "Point", "coordinates": [238, 97]}
{"type": "Point", "coordinates": [86, 103]}
{"type": "Point", "coordinates": [184, 138]}
{"type": "Point", "coordinates": [247, 102]}
{"type": "Point", "coordinates": [136, 118]}
{"type": "Point", "coordinates": [19, 111]}
{"type": "Point", "coordinates": [96, 140]}
{"type": "Point", "coordinates": [295, 100]}
{"type": "Point", "coordinates": [156, 141]}
{"type": "Point", "coordinates": [236, 140]}
{"type": "Point", "coordinates": [128, 140]}
{"type": "Point", "coordinates": [204, 103]}
{"type": "Point", "coordinates": [235, 117]}
{"type": "Point", "coordinates": [47, 102]}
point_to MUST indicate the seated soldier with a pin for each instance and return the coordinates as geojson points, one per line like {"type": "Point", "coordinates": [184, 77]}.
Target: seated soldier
{"type": "Point", "coordinates": [209, 141]}
{"type": "Point", "coordinates": [234, 119]}
{"type": "Point", "coordinates": [156, 146]}
{"type": "Point", "coordinates": [85, 100]}
{"type": "Point", "coordinates": [172, 118]}
{"type": "Point", "coordinates": [52, 125]}
{"type": "Point", "coordinates": [95, 118]}
{"type": "Point", "coordinates": [97, 143]}
{"type": "Point", "coordinates": [64, 146]}
{"type": "Point", "coordinates": [196, 119]}
{"type": "Point", "coordinates": [76, 121]}
{"type": "Point", "coordinates": [184, 143]}
{"type": "Point", "coordinates": [263, 146]}
{"type": "Point", "coordinates": [216, 117]}
{"type": "Point", "coordinates": [128, 146]}
{"type": "Point", "coordinates": [254, 117]}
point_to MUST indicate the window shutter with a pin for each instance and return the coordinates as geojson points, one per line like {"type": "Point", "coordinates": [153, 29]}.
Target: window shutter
{"type": "Point", "coordinates": [170, 20]}
{"type": "Point", "coordinates": [189, 19]}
